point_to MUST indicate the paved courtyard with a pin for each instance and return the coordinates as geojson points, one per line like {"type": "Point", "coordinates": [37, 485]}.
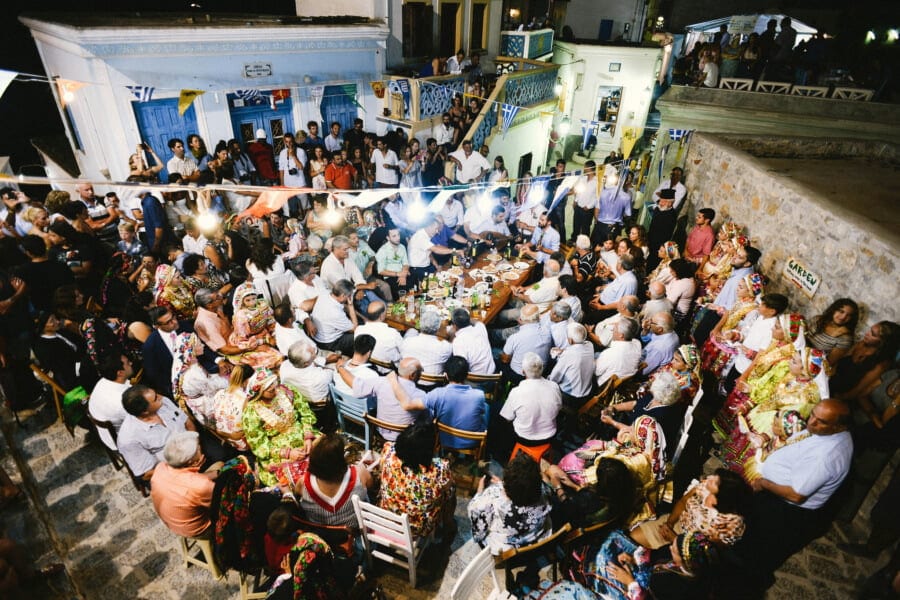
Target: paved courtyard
{"type": "Point", "coordinates": [82, 512]}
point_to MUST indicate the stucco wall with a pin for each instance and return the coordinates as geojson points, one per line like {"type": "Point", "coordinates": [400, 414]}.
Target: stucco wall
{"type": "Point", "coordinates": [784, 219]}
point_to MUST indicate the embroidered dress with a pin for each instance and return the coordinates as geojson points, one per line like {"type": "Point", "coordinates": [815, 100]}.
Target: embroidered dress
{"type": "Point", "coordinates": [498, 524]}
{"type": "Point", "coordinates": [280, 423]}
{"type": "Point", "coordinates": [717, 355]}
{"type": "Point", "coordinates": [228, 411]}
{"type": "Point", "coordinates": [725, 528]}
{"type": "Point", "coordinates": [252, 331]}
{"type": "Point", "coordinates": [595, 576]}
{"type": "Point", "coordinates": [173, 293]}
{"type": "Point", "coordinates": [423, 495]}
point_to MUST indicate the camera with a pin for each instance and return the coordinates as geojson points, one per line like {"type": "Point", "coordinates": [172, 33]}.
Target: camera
{"type": "Point", "coordinates": [292, 171]}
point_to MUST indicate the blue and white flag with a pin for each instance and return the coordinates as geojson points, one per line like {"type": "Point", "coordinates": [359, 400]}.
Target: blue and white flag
{"type": "Point", "coordinates": [587, 130]}
{"type": "Point", "coordinates": [677, 134]}
{"type": "Point", "coordinates": [248, 94]}
{"type": "Point", "coordinates": [509, 112]}
{"type": "Point", "coordinates": [141, 93]}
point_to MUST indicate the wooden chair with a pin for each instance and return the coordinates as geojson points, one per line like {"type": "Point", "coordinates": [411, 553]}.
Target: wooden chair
{"type": "Point", "coordinates": [376, 422]}
{"type": "Point", "coordinates": [429, 382]}
{"type": "Point", "coordinates": [251, 587]}
{"type": "Point", "coordinates": [58, 394]}
{"type": "Point", "coordinates": [351, 409]}
{"type": "Point", "coordinates": [93, 306]}
{"type": "Point", "coordinates": [118, 461]}
{"type": "Point", "coordinates": [208, 561]}
{"type": "Point", "coordinates": [476, 452]}
{"type": "Point", "coordinates": [736, 83]}
{"type": "Point", "coordinates": [388, 537]}
{"type": "Point", "coordinates": [382, 366]}
{"type": "Point", "coordinates": [548, 549]}
{"type": "Point", "coordinates": [468, 584]}
{"type": "Point", "coordinates": [603, 396]}
{"type": "Point", "coordinates": [685, 430]}
{"type": "Point", "coordinates": [490, 384]}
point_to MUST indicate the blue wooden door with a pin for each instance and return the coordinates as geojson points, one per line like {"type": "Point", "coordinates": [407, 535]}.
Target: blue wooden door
{"type": "Point", "coordinates": [158, 121]}
{"type": "Point", "coordinates": [248, 115]}
{"type": "Point", "coordinates": [338, 106]}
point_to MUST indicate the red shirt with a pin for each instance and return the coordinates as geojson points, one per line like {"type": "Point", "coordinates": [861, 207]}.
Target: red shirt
{"type": "Point", "coordinates": [699, 243]}
{"type": "Point", "coordinates": [340, 177]}
{"type": "Point", "coordinates": [263, 157]}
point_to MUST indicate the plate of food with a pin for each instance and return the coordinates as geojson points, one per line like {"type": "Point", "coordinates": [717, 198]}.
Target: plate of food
{"type": "Point", "coordinates": [493, 257]}
{"type": "Point", "coordinates": [489, 270]}
{"type": "Point", "coordinates": [476, 273]}
{"type": "Point", "coordinates": [479, 288]}
{"type": "Point", "coordinates": [504, 267]}
{"type": "Point", "coordinates": [454, 271]}
{"type": "Point", "coordinates": [452, 304]}
{"type": "Point", "coordinates": [521, 265]}
{"type": "Point", "coordinates": [510, 276]}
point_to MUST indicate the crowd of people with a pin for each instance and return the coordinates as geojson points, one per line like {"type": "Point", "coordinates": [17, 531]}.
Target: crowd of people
{"type": "Point", "coordinates": [214, 354]}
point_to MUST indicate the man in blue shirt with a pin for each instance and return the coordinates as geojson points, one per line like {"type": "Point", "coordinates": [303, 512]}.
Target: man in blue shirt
{"type": "Point", "coordinates": [613, 206]}
{"type": "Point", "coordinates": [605, 304]}
{"type": "Point", "coordinates": [662, 342]}
{"type": "Point", "coordinates": [742, 264]}
{"type": "Point", "coordinates": [159, 232]}
{"type": "Point", "coordinates": [458, 405]}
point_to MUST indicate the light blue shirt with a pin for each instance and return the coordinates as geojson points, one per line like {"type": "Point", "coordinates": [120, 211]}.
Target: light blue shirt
{"type": "Point", "coordinates": [659, 350]}
{"type": "Point", "coordinates": [548, 238]}
{"type": "Point", "coordinates": [531, 337]}
{"type": "Point", "coordinates": [813, 467]}
{"type": "Point", "coordinates": [623, 285]}
{"type": "Point", "coordinates": [728, 294]}
{"type": "Point", "coordinates": [459, 406]}
{"type": "Point", "coordinates": [614, 206]}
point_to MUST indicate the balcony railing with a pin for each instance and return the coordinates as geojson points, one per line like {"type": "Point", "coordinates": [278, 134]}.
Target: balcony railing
{"type": "Point", "coordinates": [527, 44]}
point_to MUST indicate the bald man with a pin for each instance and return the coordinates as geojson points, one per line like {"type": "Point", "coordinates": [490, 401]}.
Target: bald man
{"type": "Point", "coordinates": [793, 489]}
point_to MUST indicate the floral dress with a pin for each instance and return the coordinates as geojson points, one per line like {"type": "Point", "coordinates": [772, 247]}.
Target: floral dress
{"type": "Point", "coordinates": [725, 528]}
{"type": "Point", "coordinates": [595, 576]}
{"type": "Point", "coordinates": [717, 355]}
{"type": "Point", "coordinates": [422, 496]}
{"type": "Point", "coordinates": [500, 525]}
{"type": "Point", "coordinates": [281, 423]}
{"type": "Point", "coordinates": [228, 412]}
{"type": "Point", "coordinates": [252, 331]}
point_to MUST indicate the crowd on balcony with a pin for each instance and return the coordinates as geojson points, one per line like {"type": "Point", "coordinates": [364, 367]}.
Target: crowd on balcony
{"type": "Point", "coordinates": [215, 348]}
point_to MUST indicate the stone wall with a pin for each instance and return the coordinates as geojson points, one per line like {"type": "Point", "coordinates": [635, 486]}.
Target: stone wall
{"type": "Point", "coordinates": [785, 219]}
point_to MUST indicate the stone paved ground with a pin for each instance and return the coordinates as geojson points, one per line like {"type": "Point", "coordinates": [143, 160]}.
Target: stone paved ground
{"type": "Point", "coordinates": [84, 513]}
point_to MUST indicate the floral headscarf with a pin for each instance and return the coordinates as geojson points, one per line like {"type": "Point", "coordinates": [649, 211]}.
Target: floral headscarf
{"type": "Point", "coordinates": [794, 328]}
{"type": "Point", "coordinates": [813, 361]}
{"type": "Point", "coordinates": [691, 357]}
{"type": "Point", "coordinates": [739, 241]}
{"type": "Point", "coordinates": [731, 229]}
{"type": "Point", "coordinates": [261, 380]}
{"type": "Point", "coordinates": [698, 552]}
{"type": "Point", "coordinates": [647, 434]}
{"type": "Point", "coordinates": [165, 274]}
{"type": "Point", "coordinates": [242, 291]}
{"type": "Point", "coordinates": [755, 283]}
{"type": "Point", "coordinates": [671, 250]}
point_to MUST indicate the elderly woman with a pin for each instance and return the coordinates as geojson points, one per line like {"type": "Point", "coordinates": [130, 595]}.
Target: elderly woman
{"type": "Point", "coordinates": [511, 512]}
{"type": "Point", "coordinates": [192, 386]}
{"type": "Point", "coordinates": [832, 331]}
{"type": "Point", "coordinates": [715, 506]}
{"type": "Point", "coordinates": [667, 253]}
{"type": "Point", "coordinates": [416, 483]}
{"type": "Point", "coordinates": [661, 402]}
{"type": "Point", "coordinates": [328, 483]}
{"type": "Point", "coordinates": [718, 351]}
{"type": "Point", "coordinates": [199, 274]}
{"type": "Point", "coordinates": [772, 421]}
{"type": "Point", "coordinates": [253, 329]}
{"type": "Point", "coordinates": [768, 369]}
{"type": "Point", "coordinates": [277, 424]}
{"type": "Point", "coordinates": [173, 293]}
{"type": "Point", "coordinates": [228, 408]}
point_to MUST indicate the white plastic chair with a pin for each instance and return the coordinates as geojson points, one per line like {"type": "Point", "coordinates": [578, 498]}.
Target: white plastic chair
{"type": "Point", "coordinates": [469, 582]}
{"type": "Point", "coordinates": [352, 409]}
{"type": "Point", "coordinates": [388, 537]}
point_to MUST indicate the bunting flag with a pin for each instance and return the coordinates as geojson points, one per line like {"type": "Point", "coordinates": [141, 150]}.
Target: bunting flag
{"type": "Point", "coordinates": [316, 92]}
{"type": "Point", "coordinates": [141, 93]}
{"type": "Point", "coordinates": [280, 95]}
{"type": "Point", "coordinates": [350, 90]}
{"type": "Point", "coordinates": [248, 94]}
{"type": "Point", "coordinates": [630, 136]}
{"type": "Point", "coordinates": [6, 78]}
{"type": "Point", "coordinates": [269, 201]}
{"type": "Point", "coordinates": [587, 130]}
{"type": "Point", "coordinates": [508, 112]}
{"type": "Point", "coordinates": [365, 198]}
{"type": "Point", "coordinates": [677, 134]}
{"type": "Point", "coordinates": [377, 88]}
{"type": "Point", "coordinates": [67, 89]}
{"type": "Point", "coordinates": [404, 91]}
{"type": "Point", "coordinates": [567, 184]}
{"type": "Point", "coordinates": [186, 98]}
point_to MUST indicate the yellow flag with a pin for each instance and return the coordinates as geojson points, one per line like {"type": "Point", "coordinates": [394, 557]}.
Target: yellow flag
{"type": "Point", "coordinates": [630, 136]}
{"type": "Point", "coordinates": [67, 89]}
{"type": "Point", "coordinates": [186, 98]}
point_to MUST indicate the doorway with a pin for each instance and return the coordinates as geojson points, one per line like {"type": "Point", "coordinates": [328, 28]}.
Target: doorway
{"type": "Point", "coordinates": [158, 121]}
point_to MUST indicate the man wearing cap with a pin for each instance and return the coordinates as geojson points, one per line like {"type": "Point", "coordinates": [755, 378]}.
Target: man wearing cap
{"type": "Point", "coordinates": [263, 156]}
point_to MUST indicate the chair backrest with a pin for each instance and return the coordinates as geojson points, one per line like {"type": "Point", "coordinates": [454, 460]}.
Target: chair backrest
{"type": "Point", "coordinates": [352, 409]}
{"type": "Point", "coordinates": [431, 381]}
{"type": "Point", "coordinates": [810, 91]}
{"type": "Point", "coordinates": [384, 527]}
{"type": "Point", "coordinates": [547, 549]}
{"type": "Point", "coordinates": [470, 579]}
{"type": "Point", "coordinates": [602, 396]}
{"type": "Point", "coordinates": [384, 367]}
{"type": "Point", "coordinates": [58, 394]}
{"type": "Point", "coordinates": [476, 436]}
{"type": "Point", "coordinates": [683, 437]}
{"type": "Point", "coordinates": [376, 422]}
{"type": "Point", "coordinates": [490, 384]}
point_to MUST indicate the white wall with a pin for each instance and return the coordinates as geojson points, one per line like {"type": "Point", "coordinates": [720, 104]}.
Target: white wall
{"type": "Point", "coordinates": [530, 136]}
{"type": "Point", "coordinates": [584, 17]}
{"type": "Point", "coordinates": [336, 8]}
{"type": "Point", "coordinates": [586, 68]}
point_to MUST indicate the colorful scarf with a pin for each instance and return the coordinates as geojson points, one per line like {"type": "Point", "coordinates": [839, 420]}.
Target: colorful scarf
{"type": "Point", "coordinates": [755, 284]}
{"type": "Point", "coordinates": [671, 249]}
{"type": "Point", "coordinates": [813, 361]}
{"type": "Point", "coordinates": [261, 380]}
{"type": "Point", "coordinates": [698, 552]}
{"type": "Point", "coordinates": [691, 357]}
{"type": "Point", "coordinates": [794, 327]}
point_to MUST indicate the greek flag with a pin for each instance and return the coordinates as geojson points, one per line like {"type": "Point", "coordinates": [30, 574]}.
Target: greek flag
{"type": "Point", "coordinates": [141, 93]}
{"type": "Point", "coordinates": [587, 130]}
{"type": "Point", "coordinates": [677, 134]}
{"type": "Point", "coordinates": [509, 112]}
{"type": "Point", "coordinates": [246, 95]}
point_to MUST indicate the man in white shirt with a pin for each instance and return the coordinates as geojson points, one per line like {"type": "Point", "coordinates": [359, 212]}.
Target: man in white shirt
{"type": "Point", "coordinates": [185, 166]}
{"type": "Point", "coordinates": [303, 292]}
{"type": "Point", "coordinates": [623, 357]}
{"type": "Point", "coordinates": [386, 165]}
{"type": "Point", "coordinates": [301, 371]}
{"type": "Point", "coordinates": [291, 162]}
{"type": "Point", "coordinates": [445, 133]}
{"type": "Point", "coordinates": [602, 333]}
{"type": "Point", "coordinates": [105, 402]}
{"type": "Point", "coordinates": [193, 241]}
{"type": "Point", "coordinates": [657, 303]}
{"type": "Point", "coordinates": [334, 318]}
{"type": "Point", "coordinates": [493, 227]}
{"type": "Point", "coordinates": [287, 332]}
{"type": "Point", "coordinates": [574, 368]}
{"type": "Point", "coordinates": [358, 365]}
{"type": "Point", "coordinates": [333, 141]}
{"type": "Point", "coordinates": [470, 340]}
{"type": "Point", "coordinates": [396, 210]}
{"type": "Point", "coordinates": [470, 166]}
{"type": "Point", "coordinates": [532, 406]}
{"type": "Point", "coordinates": [338, 265]}
{"type": "Point", "coordinates": [431, 351]}
{"type": "Point", "coordinates": [586, 199]}
{"type": "Point", "coordinates": [421, 261]}
{"type": "Point", "coordinates": [452, 212]}
{"type": "Point", "coordinates": [151, 420]}
{"type": "Point", "coordinates": [542, 294]}
{"type": "Point", "coordinates": [387, 339]}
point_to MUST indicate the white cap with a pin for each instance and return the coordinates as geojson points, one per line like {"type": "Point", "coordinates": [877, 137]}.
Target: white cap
{"type": "Point", "coordinates": [260, 134]}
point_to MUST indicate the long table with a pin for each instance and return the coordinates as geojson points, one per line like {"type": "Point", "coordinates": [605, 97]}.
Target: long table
{"type": "Point", "coordinates": [500, 294]}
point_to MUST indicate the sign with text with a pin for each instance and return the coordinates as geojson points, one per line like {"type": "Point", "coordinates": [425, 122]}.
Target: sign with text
{"type": "Point", "coordinates": [257, 70]}
{"type": "Point", "coordinates": [798, 274]}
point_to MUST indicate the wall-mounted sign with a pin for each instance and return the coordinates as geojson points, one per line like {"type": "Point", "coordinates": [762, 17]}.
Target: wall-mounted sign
{"type": "Point", "coordinates": [798, 274]}
{"type": "Point", "coordinates": [615, 67]}
{"type": "Point", "coordinates": [257, 70]}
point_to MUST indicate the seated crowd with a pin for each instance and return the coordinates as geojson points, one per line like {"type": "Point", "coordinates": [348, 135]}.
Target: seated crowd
{"type": "Point", "coordinates": [216, 360]}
